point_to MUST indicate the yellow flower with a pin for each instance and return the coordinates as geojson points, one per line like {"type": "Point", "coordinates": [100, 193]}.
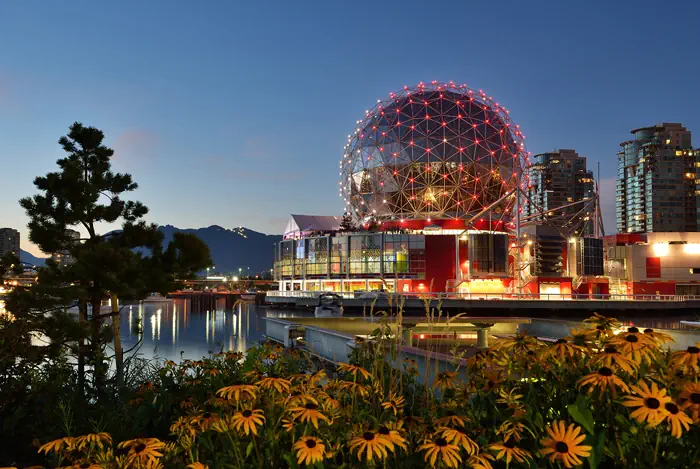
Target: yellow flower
{"type": "Point", "coordinates": [677, 419]}
{"type": "Point", "coordinates": [480, 461]}
{"type": "Point", "coordinates": [561, 350]}
{"type": "Point", "coordinates": [58, 445]}
{"type": "Point", "coordinates": [236, 391]}
{"type": "Point", "coordinates": [310, 450]}
{"type": "Point", "coordinates": [510, 429]}
{"type": "Point", "coordinates": [395, 402]}
{"type": "Point", "coordinates": [446, 380]}
{"type": "Point", "coordinates": [86, 465]}
{"type": "Point", "coordinates": [371, 444]}
{"type": "Point", "coordinates": [520, 343]}
{"type": "Point", "coordinates": [197, 465]}
{"type": "Point", "coordinates": [650, 405]}
{"type": "Point", "coordinates": [508, 450]}
{"type": "Point", "coordinates": [581, 337]}
{"type": "Point", "coordinates": [204, 420]}
{"type": "Point", "coordinates": [308, 413]}
{"type": "Point", "coordinates": [280, 384]}
{"type": "Point", "coordinates": [142, 450]}
{"type": "Point", "coordinates": [182, 425]}
{"type": "Point", "coordinates": [248, 420]}
{"type": "Point", "coordinates": [603, 378]}
{"type": "Point", "coordinates": [511, 397]}
{"type": "Point", "coordinates": [458, 436]}
{"type": "Point", "coordinates": [447, 452]}
{"type": "Point", "coordinates": [393, 436]}
{"type": "Point", "coordinates": [355, 388]}
{"type": "Point", "coordinates": [691, 400]}
{"type": "Point", "coordinates": [97, 439]}
{"type": "Point", "coordinates": [688, 357]}
{"type": "Point", "coordinates": [564, 444]}
{"type": "Point", "coordinates": [610, 357]}
{"type": "Point", "coordinates": [451, 419]}
{"type": "Point", "coordinates": [187, 403]}
{"type": "Point", "coordinates": [603, 325]}
{"type": "Point", "coordinates": [353, 370]}
{"type": "Point", "coordinates": [635, 345]}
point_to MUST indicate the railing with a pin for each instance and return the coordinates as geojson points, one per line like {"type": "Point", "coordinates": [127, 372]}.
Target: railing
{"type": "Point", "coordinates": [370, 296]}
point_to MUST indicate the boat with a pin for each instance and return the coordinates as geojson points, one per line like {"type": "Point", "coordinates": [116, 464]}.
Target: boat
{"type": "Point", "coordinates": [329, 305]}
{"type": "Point", "coordinates": [691, 323]}
{"type": "Point", "coordinates": [249, 295]}
{"type": "Point", "coordinates": [156, 298]}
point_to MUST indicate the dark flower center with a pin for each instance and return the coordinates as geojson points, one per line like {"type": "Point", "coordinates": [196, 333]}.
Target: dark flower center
{"type": "Point", "coordinates": [139, 448]}
{"type": "Point", "coordinates": [369, 436]}
{"type": "Point", "coordinates": [509, 444]}
{"type": "Point", "coordinates": [441, 442]}
{"type": "Point", "coordinates": [695, 398]}
{"type": "Point", "coordinates": [648, 331]}
{"type": "Point", "coordinates": [632, 329]}
{"type": "Point", "coordinates": [600, 328]}
{"type": "Point", "coordinates": [206, 415]}
{"type": "Point", "coordinates": [610, 350]}
{"type": "Point", "coordinates": [693, 349]}
{"type": "Point", "coordinates": [561, 447]}
{"type": "Point", "coordinates": [560, 341]}
{"type": "Point", "coordinates": [530, 353]}
{"type": "Point", "coordinates": [652, 403]}
{"type": "Point", "coordinates": [311, 406]}
{"type": "Point", "coordinates": [383, 430]}
{"type": "Point", "coordinates": [671, 407]}
{"type": "Point", "coordinates": [310, 443]}
{"type": "Point", "coordinates": [631, 338]}
{"type": "Point", "coordinates": [605, 371]}
{"type": "Point", "coordinates": [247, 413]}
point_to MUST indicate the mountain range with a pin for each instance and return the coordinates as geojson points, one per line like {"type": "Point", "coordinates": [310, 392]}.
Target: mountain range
{"type": "Point", "coordinates": [231, 249]}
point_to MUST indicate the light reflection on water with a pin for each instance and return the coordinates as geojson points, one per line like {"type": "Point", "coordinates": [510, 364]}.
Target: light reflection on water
{"type": "Point", "coordinates": [170, 330]}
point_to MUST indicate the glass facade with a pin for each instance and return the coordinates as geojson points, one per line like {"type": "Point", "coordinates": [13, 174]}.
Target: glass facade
{"type": "Point", "coordinates": [488, 253]}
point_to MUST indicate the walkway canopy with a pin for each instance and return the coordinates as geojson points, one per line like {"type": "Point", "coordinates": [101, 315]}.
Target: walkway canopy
{"type": "Point", "coordinates": [301, 225]}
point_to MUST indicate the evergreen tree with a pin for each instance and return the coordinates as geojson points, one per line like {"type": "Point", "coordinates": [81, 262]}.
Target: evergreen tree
{"type": "Point", "coordinates": [346, 223]}
{"type": "Point", "coordinates": [129, 263]}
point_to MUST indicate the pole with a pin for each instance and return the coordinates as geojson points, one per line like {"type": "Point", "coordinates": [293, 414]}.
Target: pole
{"type": "Point", "coordinates": [518, 279]}
{"type": "Point", "coordinates": [118, 352]}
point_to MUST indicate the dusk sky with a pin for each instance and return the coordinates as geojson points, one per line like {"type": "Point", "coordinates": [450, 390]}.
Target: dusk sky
{"type": "Point", "coordinates": [236, 114]}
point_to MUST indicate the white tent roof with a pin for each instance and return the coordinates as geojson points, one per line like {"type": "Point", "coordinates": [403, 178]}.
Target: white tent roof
{"type": "Point", "coordinates": [305, 223]}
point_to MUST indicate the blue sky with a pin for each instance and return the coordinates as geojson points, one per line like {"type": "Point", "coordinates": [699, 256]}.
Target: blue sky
{"type": "Point", "coordinates": [236, 113]}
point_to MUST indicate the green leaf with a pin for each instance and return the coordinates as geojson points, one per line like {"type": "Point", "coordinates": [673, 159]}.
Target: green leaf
{"type": "Point", "coordinates": [249, 449]}
{"type": "Point", "coordinates": [582, 415]}
{"type": "Point", "coordinates": [598, 445]}
{"type": "Point", "coordinates": [291, 460]}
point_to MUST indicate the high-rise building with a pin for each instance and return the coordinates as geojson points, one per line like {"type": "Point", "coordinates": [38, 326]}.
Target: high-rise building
{"type": "Point", "coordinates": [557, 179]}
{"type": "Point", "coordinates": [9, 241]}
{"type": "Point", "coordinates": [658, 181]}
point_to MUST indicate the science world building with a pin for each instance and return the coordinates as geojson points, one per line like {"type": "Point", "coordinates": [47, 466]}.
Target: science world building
{"type": "Point", "coordinates": [431, 178]}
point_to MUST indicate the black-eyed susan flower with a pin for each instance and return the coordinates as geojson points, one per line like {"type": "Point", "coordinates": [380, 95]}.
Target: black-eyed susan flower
{"type": "Point", "coordinates": [310, 450]}
{"type": "Point", "coordinates": [634, 345]}
{"type": "Point", "coordinates": [659, 337]}
{"type": "Point", "coordinates": [204, 420]}
{"type": "Point", "coordinates": [510, 429]}
{"type": "Point", "coordinates": [611, 357]}
{"type": "Point", "coordinates": [440, 450]}
{"type": "Point", "coordinates": [187, 403]}
{"type": "Point", "coordinates": [238, 391]}
{"type": "Point", "coordinates": [446, 380]}
{"type": "Point", "coordinates": [677, 419]}
{"type": "Point", "coordinates": [509, 451]}
{"type": "Point", "coordinates": [182, 426]}
{"type": "Point", "coordinates": [393, 436]}
{"type": "Point", "coordinates": [355, 388]}
{"type": "Point", "coordinates": [509, 397]}
{"type": "Point", "coordinates": [369, 445]}
{"type": "Point", "coordinates": [581, 336]}
{"type": "Point", "coordinates": [98, 440]}
{"type": "Point", "coordinates": [281, 385]}
{"type": "Point", "coordinates": [564, 444]}
{"type": "Point", "coordinates": [458, 436]}
{"type": "Point", "coordinates": [142, 450]}
{"type": "Point", "coordinates": [197, 465]}
{"type": "Point", "coordinates": [308, 413]}
{"type": "Point", "coordinates": [519, 343]}
{"type": "Point", "coordinates": [354, 370]}
{"type": "Point", "coordinates": [649, 403]}
{"type": "Point", "coordinates": [604, 326]}
{"type": "Point", "coordinates": [690, 397]}
{"type": "Point", "coordinates": [58, 445]}
{"type": "Point", "coordinates": [480, 461]}
{"type": "Point", "coordinates": [603, 379]}
{"type": "Point", "coordinates": [561, 350]}
{"type": "Point", "coordinates": [688, 357]}
{"type": "Point", "coordinates": [248, 421]}
{"type": "Point", "coordinates": [395, 402]}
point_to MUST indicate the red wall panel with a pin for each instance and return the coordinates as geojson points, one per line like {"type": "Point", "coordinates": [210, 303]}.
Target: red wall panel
{"type": "Point", "coordinates": [439, 261]}
{"type": "Point", "coordinates": [653, 267]}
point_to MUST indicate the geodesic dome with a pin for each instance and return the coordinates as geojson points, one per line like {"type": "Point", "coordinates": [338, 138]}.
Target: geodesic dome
{"type": "Point", "coordinates": [437, 150]}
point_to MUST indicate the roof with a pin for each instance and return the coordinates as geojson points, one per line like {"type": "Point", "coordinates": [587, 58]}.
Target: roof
{"type": "Point", "coordinates": [305, 223]}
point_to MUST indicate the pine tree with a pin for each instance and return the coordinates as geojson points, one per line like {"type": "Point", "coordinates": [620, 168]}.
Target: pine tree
{"type": "Point", "coordinates": [85, 194]}
{"type": "Point", "coordinates": [346, 223]}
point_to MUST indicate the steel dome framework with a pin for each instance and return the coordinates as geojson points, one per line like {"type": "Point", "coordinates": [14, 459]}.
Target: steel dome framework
{"type": "Point", "coordinates": [433, 151]}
